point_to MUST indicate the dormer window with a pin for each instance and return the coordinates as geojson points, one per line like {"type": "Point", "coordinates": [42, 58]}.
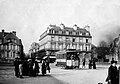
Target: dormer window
{"type": "Point", "coordinates": [60, 32]}
{"type": "Point", "coordinates": [80, 33]}
{"type": "Point", "coordinates": [63, 32]}
{"type": "Point", "coordinates": [8, 40]}
{"type": "Point", "coordinates": [84, 33]}
{"type": "Point", "coordinates": [77, 33]}
{"type": "Point", "coordinates": [57, 32]}
{"type": "Point", "coordinates": [87, 34]}
{"type": "Point", "coordinates": [52, 31]}
{"type": "Point", "coordinates": [70, 33]}
{"type": "Point", "coordinates": [67, 32]}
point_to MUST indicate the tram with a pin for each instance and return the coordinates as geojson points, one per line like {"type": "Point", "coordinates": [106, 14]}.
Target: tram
{"type": "Point", "coordinates": [67, 59]}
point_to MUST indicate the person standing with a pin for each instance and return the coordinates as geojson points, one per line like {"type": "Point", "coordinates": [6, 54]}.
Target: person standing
{"type": "Point", "coordinates": [43, 68]}
{"type": "Point", "coordinates": [84, 60]}
{"type": "Point", "coordinates": [16, 64]}
{"type": "Point", "coordinates": [90, 64]}
{"type": "Point", "coordinates": [48, 66]}
{"type": "Point", "coordinates": [21, 69]}
{"type": "Point", "coordinates": [36, 68]}
{"type": "Point", "coordinates": [112, 73]}
{"type": "Point", "coordinates": [94, 63]}
{"type": "Point", "coordinates": [25, 68]}
{"type": "Point", "coordinates": [30, 64]}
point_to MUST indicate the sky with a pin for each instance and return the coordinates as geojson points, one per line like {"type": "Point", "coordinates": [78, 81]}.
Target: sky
{"type": "Point", "coordinates": [30, 18]}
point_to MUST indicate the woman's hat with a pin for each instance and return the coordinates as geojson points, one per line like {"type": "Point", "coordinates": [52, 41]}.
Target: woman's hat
{"type": "Point", "coordinates": [113, 62]}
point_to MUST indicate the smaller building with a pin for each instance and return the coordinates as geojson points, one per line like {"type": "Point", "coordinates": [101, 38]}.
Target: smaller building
{"type": "Point", "coordinates": [10, 46]}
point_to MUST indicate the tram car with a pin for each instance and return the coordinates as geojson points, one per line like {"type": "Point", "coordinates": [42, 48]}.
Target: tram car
{"type": "Point", "coordinates": [67, 59]}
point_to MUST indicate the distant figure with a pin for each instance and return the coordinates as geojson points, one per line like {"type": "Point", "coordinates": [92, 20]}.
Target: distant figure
{"type": "Point", "coordinates": [21, 69]}
{"type": "Point", "coordinates": [16, 64]}
{"type": "Point", "coordinates": [43, 68]}
{"type": "Point", "coordinates": [30, 65]}
{"type": "Point", "coordinates": [48, 66]}
{"type": "Point", "coordinates": [90, 64]}
{"type": "Point", "coordinates": [84, 60]}
{"type": "Point", "coordinates": [25, 68]}
{"type": "Point", "coordinates": [112, 73]}
{"type": "Point", "coordinates": [36, 68]}
{"type": "Point", "coordinates": [94, 64]}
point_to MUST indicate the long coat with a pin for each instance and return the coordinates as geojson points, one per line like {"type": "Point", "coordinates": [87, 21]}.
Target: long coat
{"type": "Point", "coordinates": [36, 69]}
{"type": "Point", "coordinates": [16, 64]}
{"type": "Point", "coordinates": [112, 74]}
{"type": "Point", "coordinates": [43, 68]}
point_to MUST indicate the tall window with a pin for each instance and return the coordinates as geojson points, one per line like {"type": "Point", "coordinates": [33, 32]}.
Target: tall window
{"type": "Point", "coordinates": [73, 40]}
{"type": "Point", "coordinates": [59, 38]}
{"type": "Point", "coordinates": [80, 39]}
{"type": "Point", "coordinates": [86, 48]}
{"type": "Point", "coordinates": [86, 40]}
{"type": "Point", "coordinates": [52, 38]}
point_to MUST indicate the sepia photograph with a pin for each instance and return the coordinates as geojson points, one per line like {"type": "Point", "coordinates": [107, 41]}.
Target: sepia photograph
{"type": "Point", "coordinates": [59, 41]}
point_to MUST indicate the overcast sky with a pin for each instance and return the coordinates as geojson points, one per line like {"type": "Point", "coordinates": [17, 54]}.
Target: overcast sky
{"type": "Point", "coordinates": [30, 18]}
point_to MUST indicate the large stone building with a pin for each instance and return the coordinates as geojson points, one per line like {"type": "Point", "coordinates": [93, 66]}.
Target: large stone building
{"type": "Point", "coordinates": [10, 46]}
{"type": "Point", "coordinates": [57, 38]}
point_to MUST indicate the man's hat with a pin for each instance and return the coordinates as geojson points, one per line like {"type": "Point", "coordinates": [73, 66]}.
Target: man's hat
{"type": "Point", "coordinates": [113, 62]}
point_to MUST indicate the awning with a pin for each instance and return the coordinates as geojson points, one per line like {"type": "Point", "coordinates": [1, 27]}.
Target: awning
{"type": "Point", "coordinates": [49, 57]}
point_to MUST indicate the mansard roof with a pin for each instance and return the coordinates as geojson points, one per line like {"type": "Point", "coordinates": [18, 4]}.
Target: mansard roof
{"type": "Point", "coordinates": [57, 28]}
{"type": "Point", "coordinates": [82, 30]}
{"type": "Point", "coordinates": [9, 35]}
{"type": "Point", "coordinates": [1, 34]}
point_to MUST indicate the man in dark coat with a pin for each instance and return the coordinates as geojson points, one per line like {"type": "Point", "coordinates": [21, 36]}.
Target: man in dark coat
{"type": "Point", "coordinates": [25, 68]}
{"type": "Point", "coordinates": [94, 63]}
{"type": "Point", "coordinates": [90, 64]}
{"type": "Point", "coordinates": [36, 68]}
{"type": "Point", "coordinates": [47, 66]}
{"type": "Point", "coordinates": [30, 65]}
{"type": "Point", "coordinates": [16, 64]}
{"type": "Point", "coordinates": [112, 73]}
{"type": "Point", "coordinates": [43, 68]}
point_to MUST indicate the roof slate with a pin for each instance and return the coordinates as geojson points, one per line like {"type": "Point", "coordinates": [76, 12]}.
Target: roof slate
{"type": "Point", "coordinates": [10, 35]}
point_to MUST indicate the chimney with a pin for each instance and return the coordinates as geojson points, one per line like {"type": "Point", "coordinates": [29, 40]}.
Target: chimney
{"type": "Point", "coordinates": [3, 32]}
{"type": "Point", "coordinates": [14, 32]}
{"type": "Point", "coordinates": [75, 27]}
{"type": "Point", "coordinates": [87, 27]}
{"type": "Point", "coordinates": [62, 26]}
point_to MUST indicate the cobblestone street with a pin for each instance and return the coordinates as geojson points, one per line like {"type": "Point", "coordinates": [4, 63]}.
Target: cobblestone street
{"type": "Point", "coordinates": [58, 75]}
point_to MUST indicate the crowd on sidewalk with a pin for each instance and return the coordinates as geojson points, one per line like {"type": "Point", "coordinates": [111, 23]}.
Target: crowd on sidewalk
{"type": "Point", "coordinates": [30, 67]}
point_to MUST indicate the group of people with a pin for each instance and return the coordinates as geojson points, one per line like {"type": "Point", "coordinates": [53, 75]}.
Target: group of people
{"type": "Point", "coordinates": [92, 63]}
{"type": "Point", "coordinates": [30, 67]}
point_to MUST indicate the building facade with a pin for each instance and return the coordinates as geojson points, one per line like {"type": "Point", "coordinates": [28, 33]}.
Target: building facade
{"type": "Point", "coordinates": [34, 48]}
{"type": "Point", "coordinates": [57, 38]}
{"type": "Point", "coordinates": [10, 46]}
